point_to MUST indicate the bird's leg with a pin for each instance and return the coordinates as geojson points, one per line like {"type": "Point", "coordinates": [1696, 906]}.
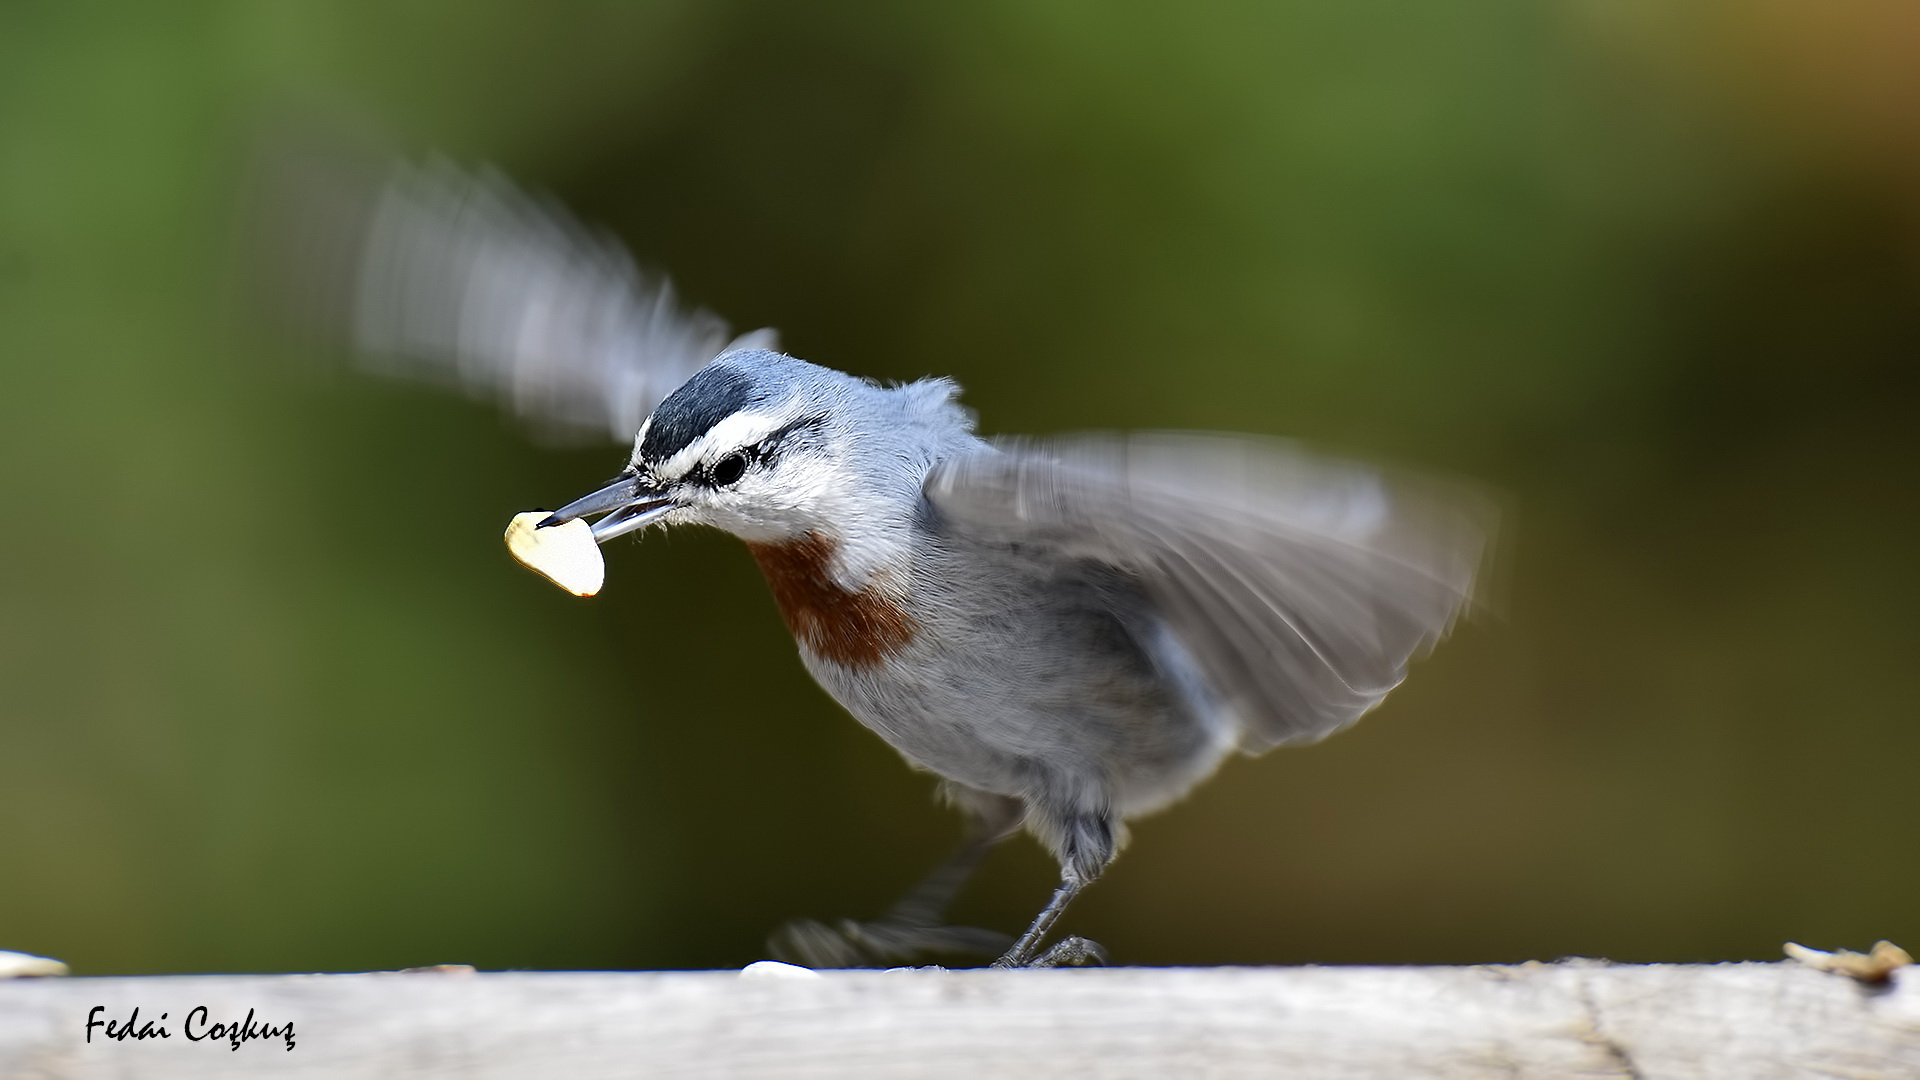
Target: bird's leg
{"type": "Point", "coordinates": [1072, 950]}
{"type": "Point", "coordinates": [912, 926]}
{"type": "Point", "coordinates": [926, 902]}
{"type": "Point", "coordinates": [1086, 845]}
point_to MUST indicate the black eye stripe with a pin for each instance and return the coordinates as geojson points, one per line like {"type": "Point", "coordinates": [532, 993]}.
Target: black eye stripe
{"type": "Point", "coordinates": [794, 430]}
{"type": "Point", "coordinates": [723, 472]}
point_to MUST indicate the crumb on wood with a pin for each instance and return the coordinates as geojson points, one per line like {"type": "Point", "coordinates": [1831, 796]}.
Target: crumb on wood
{"type": "Point", "coordinates": [1873, 966]}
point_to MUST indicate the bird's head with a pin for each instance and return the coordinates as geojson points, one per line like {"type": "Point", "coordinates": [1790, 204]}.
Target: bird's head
{"type": "Point", "coordinates": [773, 449]}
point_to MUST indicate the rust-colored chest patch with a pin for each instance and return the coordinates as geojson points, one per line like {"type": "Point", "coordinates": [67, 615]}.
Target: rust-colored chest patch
{"type": "Point", "coordinates": [852, 629]}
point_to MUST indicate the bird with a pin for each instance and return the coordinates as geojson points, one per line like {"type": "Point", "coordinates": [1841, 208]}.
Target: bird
{"type": "Point", "coordinates": [1067, 632]}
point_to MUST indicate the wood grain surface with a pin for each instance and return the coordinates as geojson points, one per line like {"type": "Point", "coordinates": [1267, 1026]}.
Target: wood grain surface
{"type": "Point", "coordinates": [1568, 1019]}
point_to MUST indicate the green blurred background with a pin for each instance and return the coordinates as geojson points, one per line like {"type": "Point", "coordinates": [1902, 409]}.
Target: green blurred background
{"type": "Point", "coordinates": [272, 697]}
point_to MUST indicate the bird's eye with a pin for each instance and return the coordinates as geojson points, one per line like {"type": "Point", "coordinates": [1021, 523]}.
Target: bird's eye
{"type": "Point", "coordinates": [729, 469]}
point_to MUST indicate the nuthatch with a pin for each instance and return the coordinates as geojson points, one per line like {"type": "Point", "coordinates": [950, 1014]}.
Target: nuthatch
{"type": "Point", "coordinates": [1069, 633]}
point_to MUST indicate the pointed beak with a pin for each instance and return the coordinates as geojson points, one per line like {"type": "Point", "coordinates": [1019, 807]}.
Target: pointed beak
{"type": "Point", "coordinates": [627, 503]}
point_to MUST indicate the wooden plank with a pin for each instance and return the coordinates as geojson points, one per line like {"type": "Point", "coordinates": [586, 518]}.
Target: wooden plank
{"type": "Point", "coordinates": [1744, 1021]}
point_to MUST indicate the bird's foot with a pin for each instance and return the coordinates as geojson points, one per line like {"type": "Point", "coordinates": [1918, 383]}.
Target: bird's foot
{"type": "Point", "coordinates": [1067, 952]}
{"type": "Point", "coordinates": [883, 943]}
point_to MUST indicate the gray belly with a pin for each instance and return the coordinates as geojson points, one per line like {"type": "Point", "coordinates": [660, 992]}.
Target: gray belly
{"type": "Point", "coordinates": [1045, 681]}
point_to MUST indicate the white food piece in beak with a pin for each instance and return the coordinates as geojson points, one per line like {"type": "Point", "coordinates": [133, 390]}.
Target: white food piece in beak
{"type": "Point", "coordinates": [564, 554]}
{"type": "Point", "coordinates": [18, 964]}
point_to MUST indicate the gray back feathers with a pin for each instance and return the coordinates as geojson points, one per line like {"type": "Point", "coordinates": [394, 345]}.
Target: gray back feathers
{"type": "Point", "coordinates": [1301, 587]}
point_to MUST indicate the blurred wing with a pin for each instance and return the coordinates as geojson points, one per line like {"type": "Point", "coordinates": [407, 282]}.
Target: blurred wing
{"type": "Point", "coordinates": [1301, 587]}
{"type": "Point", "coordinates": [454, 276]}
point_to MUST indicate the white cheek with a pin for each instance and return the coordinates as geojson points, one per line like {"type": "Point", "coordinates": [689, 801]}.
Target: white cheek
{"type": "Point", "coordinates": [769, 507]}
{"type": "Point", "coordinates": [811, 495]}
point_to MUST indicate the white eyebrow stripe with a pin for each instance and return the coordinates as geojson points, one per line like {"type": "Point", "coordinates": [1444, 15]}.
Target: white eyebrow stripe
{"type": "Point", "coordinates": [638, 438]}
{"type": "Point", "coordinates": [740, 429]}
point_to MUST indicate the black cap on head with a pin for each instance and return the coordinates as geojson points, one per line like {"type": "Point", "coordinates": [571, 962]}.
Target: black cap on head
{"type": "Point", "coordinates": [715, 393]}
